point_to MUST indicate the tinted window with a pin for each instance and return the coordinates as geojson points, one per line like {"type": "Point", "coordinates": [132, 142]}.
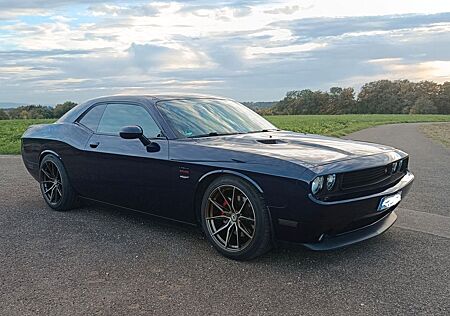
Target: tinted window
{"type": "Point", "coordinates": [93, 116]}
{"type": "Point", "coordinates": [117, 116]}
{"type": "Point", "coordinates": [200, 117]}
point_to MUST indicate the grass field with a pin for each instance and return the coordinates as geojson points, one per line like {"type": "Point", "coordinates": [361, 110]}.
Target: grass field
{"type": "Point", "coordinates": [332, 125]}
{"type": "Point", "coordinates": [11, 131]}
{"type": "Point", "coordinates": [340, 125]}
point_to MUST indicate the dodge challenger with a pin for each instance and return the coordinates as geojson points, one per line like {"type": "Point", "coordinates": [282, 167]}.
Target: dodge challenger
{"type": "Point", "coordinates": [212, 162]}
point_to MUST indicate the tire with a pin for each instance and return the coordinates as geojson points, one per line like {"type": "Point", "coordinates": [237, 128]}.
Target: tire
{"type": "Point", "coordinates": [226, 213]}
{"type": "Point", "coordinates": [55, 186]}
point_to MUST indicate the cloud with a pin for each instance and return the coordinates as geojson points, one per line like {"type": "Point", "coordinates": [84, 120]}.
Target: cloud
{"type": "Point", "coordinates": [284, 10]}
{"type": "Point", "coordinates": [149, 56]}
{"type": "Point", "coordinates": [118, 10]}
{"type": "Point", "coordinates": [249, 50]}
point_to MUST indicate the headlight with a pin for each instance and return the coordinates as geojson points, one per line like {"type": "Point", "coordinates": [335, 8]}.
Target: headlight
{"type": "Point", "coordinates": [317, 185]}
{"type": "Point", "coordinates": [400, 163]}
{"type": "Point", "coordinates": [331, 180]}
{"type": "Point", "coordinates": [394, 167]}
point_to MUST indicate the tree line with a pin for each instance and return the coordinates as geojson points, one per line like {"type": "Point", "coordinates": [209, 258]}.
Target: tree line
{"type": "Point", "coordinates": [377, 97]}
{"type": "Point", "coordinates": [36, 111]}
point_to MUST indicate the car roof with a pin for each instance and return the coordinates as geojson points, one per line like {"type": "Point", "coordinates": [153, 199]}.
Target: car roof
{"type": "Point", "coordinates": [73, 114]}
{"type": "Point", "coordinates": [155, 97]}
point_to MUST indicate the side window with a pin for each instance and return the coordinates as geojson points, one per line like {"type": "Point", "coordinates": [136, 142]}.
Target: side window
{"type": "Point", "coordinates": [92, 117]}
{"type": "Point", "coordinates": [118, 115]}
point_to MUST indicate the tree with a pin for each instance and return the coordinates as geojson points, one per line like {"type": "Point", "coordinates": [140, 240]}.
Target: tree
{"type": "Point", "coordinates": [3, 115]}
{"type": "Point", "coordinates": [31, 112]}
{"type": "Point", "coordinates": [340, 101]}
{"type": "Point", "coordinates": [61, 109]}
{"type": "Point", "coordinates": [442, 101]}
{"type": "Point", "coordinates": [423, 105]}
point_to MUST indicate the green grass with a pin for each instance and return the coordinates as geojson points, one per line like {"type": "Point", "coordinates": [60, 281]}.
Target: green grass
{"type": "Point", "coordinates": [340, 125]}
{"type": "Point", "coordinates": [11, 131]}
{"type": "Point", "coordinates": [332, 125]}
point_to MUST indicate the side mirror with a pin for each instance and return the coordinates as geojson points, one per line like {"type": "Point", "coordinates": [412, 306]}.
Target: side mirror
{"type": "Point", "coordinates": [134, 132]}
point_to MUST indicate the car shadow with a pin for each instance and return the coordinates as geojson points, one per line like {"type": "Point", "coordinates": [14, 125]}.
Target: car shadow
{"type": "Point", "coordinates": [280, 257]}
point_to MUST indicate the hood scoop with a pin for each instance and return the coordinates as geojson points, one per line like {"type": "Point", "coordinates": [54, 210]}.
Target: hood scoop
{"type": "Point", "coordinates": [270, 141]}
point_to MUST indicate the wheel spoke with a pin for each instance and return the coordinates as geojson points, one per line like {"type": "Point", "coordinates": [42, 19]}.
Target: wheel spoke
{"type": "Point", "coordinates": [218, 206]}
{"type": "Point", "coordinates": [49, 189]}
{"type": "Point", "coordinates": [217, 217]}
{"type": "Point", "coordinates": [246, 218]}
{"type": "Point", "coordinates": [237, 235]}
{"type": "Point", "coordinates": [47, 174]}
{"type": "Point", "coordinates": [55, 170]}
{"type": "Point", "coordinates": [51, 193]}
{"type": "Point", "coordinates": [50, 169]}
{"type": "Point", "coordinates": [58, 189]}
{"type": "Point", "coordinates": [232, 199]}
{"type": "Point", "coordinates": [244, 230]}
{"type": "Point", "coordinates": [228, 236]}
{"type": "Point", "coordinates": [242, 206]}
{"type": "Point", "coordinates": [222, 228]}
{"type": "Point", "coordinates": [224, 198]}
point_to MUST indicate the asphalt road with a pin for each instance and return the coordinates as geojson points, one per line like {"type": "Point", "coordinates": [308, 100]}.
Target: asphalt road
{"type": "Point", "coordinates": [101, 261]}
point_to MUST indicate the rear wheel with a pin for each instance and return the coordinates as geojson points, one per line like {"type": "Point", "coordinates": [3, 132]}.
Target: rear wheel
{"type": "Point", "coordinates": [55, 186]}
{"type": "Point", "coordinates": [235, 219]}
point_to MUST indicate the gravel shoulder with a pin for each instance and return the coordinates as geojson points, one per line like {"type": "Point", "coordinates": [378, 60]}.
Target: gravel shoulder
{"type": "Point", "coordinates": [438, 132]}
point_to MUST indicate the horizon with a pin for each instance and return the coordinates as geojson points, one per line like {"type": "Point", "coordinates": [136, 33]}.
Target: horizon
{"type": "Point", "coordinates": [4, 104]}
{"type": "Point", "coordinates": [251, 51]}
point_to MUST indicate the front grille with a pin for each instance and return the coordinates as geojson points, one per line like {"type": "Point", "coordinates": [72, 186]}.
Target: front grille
{"type": "Point", "coordinates": [364, 182]}
{"type": "Point", "coordinates": [365, 177]}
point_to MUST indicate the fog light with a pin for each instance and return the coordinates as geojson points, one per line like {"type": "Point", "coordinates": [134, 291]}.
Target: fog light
{"type": "Point", "coordinates": [331, 180]}
{"type": "Point", "coordinates": [317, 185]}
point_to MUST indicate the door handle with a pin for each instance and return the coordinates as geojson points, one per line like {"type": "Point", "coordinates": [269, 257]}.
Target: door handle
{"type": "Point", "coordinates": [94, 145]}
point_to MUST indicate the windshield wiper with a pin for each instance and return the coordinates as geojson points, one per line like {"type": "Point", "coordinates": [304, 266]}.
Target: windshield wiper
{"type": "Point", "coordinates": [266, 130]}
{"type": "Point", "coordinates": [212, 134]}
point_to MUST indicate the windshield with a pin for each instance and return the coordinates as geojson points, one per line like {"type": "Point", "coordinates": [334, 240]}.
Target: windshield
{"type": "Point", "coordinates": [211, 117]}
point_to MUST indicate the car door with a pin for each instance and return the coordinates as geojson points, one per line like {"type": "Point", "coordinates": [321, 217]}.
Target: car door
{"type": "Point", "coordinates": [122, 171]}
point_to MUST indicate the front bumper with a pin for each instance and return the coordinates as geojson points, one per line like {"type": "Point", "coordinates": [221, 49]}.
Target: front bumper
{"type": "Point", "coordinates": [328, 225]}
{"type": "Point", "coordinates": [359, 234]}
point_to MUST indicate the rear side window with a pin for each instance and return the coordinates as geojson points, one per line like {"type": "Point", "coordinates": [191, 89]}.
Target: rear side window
{"type": "Point", "coordinates": [118, 115]}
{"type": "Point", "coordinates": [93, 116]}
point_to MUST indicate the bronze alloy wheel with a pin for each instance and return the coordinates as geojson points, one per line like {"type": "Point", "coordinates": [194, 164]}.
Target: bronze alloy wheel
{"type": "Point", "coordinates": [235, 218]}
{"type": "Point", "coordinates": [230, 218]}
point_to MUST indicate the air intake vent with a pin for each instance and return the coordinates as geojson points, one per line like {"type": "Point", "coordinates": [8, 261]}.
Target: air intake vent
{"type": "Point", "coordinates": [270, 141]}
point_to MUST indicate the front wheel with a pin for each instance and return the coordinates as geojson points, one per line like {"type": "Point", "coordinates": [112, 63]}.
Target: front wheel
{"type": "Point", "coordinates": [235, 219]}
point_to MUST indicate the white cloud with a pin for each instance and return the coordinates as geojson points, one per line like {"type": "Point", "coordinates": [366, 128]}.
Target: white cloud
{"type": "Point", "coordinates": [250, 50]}
{"type": "Point", "coordinates": [253, 52]}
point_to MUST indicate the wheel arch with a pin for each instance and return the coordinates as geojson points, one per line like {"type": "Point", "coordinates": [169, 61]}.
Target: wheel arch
{"type": "Point", "coordinates": [48, 152]}
{"type": "Point", "coordinates": [209, 177]}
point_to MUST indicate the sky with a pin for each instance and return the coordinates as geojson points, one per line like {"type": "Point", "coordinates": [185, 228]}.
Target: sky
{"type": "Point", "coordinates": [251, 50]}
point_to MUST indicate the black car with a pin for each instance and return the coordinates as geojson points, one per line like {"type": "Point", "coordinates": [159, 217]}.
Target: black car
{"type": "Point", "coordinates": [213, 162]}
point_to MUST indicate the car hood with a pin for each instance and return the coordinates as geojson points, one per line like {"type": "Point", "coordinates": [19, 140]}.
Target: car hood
{"type": "Point", "coordinates": [311, 149]}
